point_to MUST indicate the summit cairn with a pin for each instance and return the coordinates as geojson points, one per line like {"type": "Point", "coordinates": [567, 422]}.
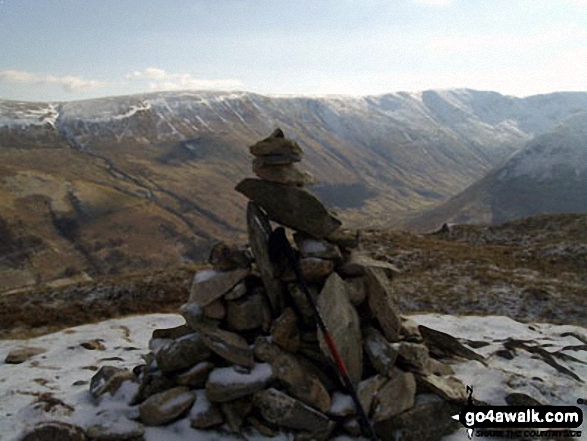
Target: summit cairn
{"type": "Point", "coordinates": [250, 358]}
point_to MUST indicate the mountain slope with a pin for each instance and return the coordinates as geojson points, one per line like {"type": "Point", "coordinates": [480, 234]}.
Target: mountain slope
{"type": "Point", "coordinates": [548, 176]}
{"type": "Point", "coordinates": [123, 183]}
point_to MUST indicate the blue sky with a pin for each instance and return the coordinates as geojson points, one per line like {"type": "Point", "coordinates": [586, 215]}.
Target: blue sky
{"type": "Point", "coordinates": [76, 49]}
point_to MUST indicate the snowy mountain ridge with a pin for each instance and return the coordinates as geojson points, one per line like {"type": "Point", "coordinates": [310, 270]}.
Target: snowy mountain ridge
{"type": "Point", "coordinates": [171, 156]}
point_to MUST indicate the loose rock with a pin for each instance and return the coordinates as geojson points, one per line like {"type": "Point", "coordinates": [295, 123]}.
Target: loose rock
{"type": "Point", "coordinates": [117, 429]}
{"type": "Point", "coordinates": [358, 263]}
{"type": "Point", "coordinates": [367, 391]}
{"type": "Point", "coordinates": [248, 312]}
{"type": "Point", "coordinates": [444, 345]}
{"type": "Point", "coordinates": [342, 321]}
{"type": "Point", "coordinates": [429, 420]}
{"type": "Point", "coordinates": [166, 406]}
{"type": "Point", "coordinates": [380, 352]}
{"type": "Point", "coordinates": [182, 353]}
{"type": "Point", "coordinates": [299, 382]}
{"type": "Point", "coordinates": [259, 230]}
{"type": "Point", "coordinates": [449, 388]}
{"type": "Point", "coordinates": [227, 257]}
{"type": "Point", "coordinates": [396, 396]}
{"type": "Point", "coordinates": [276, 145]}
{"type": "Point", "coordinates": [204, 414]}
{"type": "Point", "coordinates": [285, 331]}
{"type": "Point", "coordinates": [215, 310]}
{"type": "Point", "coordinates": [93, 345]}
{"type": "Point", "coordinates": [108, 379]}
{"type": "Point", "coordinates": [383, 304]}
{"type": "Point", "coordinates": [356, 290]}
{"type": "Point", "coordinates": [55, 430]}
{"type": "Point", "coordinates": [313, 269]}
{"type": "Point", "coordinates": [20, 355]}
{"type": "Point", "coordinates": [195, 377]}
{"type": "Point", "coordinates": [235, 413]}
{"type": "Point", "coordinates": [228, 384]}
{"type": "Point", "coordinates": [279, 408]}
{"type": "Point", "coordinates": [213, 285]}
{"type": "Point", "coordinates": [228, 345]}
{"type": "Point", "coordinates": [311, 247]}
{"type": "Point", "coordinates": [413, 356]}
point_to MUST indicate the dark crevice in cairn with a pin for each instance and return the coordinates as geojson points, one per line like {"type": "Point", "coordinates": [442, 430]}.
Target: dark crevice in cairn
{"type": "Point", "coordinates": [249, 358]}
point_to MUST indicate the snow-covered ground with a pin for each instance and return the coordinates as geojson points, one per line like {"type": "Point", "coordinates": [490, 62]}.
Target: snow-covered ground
{"type": "Point", "coordinates": [66, 368]}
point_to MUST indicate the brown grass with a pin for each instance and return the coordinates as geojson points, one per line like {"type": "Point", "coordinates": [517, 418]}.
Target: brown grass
{"type": "Point", "coordinates": [42, 310]}
{"type": "Point", "coordinates": [505, 270]}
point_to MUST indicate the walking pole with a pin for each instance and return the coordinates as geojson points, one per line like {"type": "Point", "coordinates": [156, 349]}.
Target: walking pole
{"type": "Point", "coordinates": [280, 246]}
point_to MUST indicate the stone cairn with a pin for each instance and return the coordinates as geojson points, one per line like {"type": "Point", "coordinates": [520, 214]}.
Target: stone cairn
{"type": "Point", "coordinates": [250, 359]}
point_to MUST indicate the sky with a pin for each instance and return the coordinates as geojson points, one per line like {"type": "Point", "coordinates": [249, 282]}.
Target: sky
{"type": "Point", "coordinates": [61, 50]}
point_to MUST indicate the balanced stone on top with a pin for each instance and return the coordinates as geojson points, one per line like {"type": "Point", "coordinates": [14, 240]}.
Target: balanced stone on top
{"type": "Point", "coordinates": [277, 145]}
{"type": "Point", "coordinates": [274, 159]}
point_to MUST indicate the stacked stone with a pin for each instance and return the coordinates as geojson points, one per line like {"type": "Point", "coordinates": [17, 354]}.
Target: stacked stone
{"type": "Point", "coordinates": [250, 358]}
{"type": "Point", "coordinates": [275, 158]}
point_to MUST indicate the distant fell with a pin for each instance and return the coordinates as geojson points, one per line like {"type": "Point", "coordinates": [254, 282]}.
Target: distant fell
{"type": "Point", "coordinates": [120, 184]}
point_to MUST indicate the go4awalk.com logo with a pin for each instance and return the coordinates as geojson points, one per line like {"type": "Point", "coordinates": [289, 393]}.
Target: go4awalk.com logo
{"type": "Point", "coordinates": [520, 421]}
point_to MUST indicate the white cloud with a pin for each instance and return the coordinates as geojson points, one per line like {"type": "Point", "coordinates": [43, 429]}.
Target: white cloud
{"type": "Point", "coordinates": [159, 79]}
{"type": "Point", "coordinates": [69, 83]}
{"type": "Point", "coordinates": [435, 3]}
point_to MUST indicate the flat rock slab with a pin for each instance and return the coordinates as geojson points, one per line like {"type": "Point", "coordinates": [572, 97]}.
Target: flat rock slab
{"type": "Point", "coordinates": [212, 286]}
{"type": "Point", "coordinates": [343, 322]}
{"type": "Point", "coordinates": [290, 206]}
{"type": "Point", "coordinates": [281, 409]}
{"type": "Point", "coordinates": [182, 353]}
{"type": "Point", "coordinates": [164, 407]}
{"type": "Point", "coordinates": [259, 230]}
{"type": "Point", "coordinates": [227, 384]}
{"type": "Point", "coordinates": [382, 303]}
{"type": "Point", "coordinates": [228, 345]}
{"type": "Point", "coordinates": [444, 345]}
